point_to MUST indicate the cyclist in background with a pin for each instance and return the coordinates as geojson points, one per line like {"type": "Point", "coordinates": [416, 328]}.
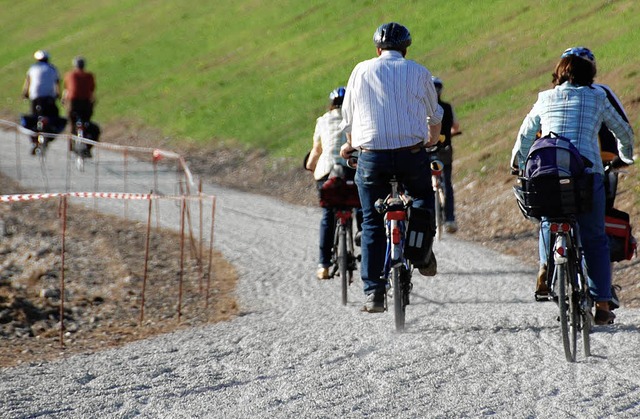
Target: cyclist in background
{"type": "Point", "coordinates": [575, 109]}
{"type": "Point", "coordinates": [390, 113]}
{"type": "Point", "coordinates": [450, 127]}
{"type": "Point", "coordinates": [42, 86]}
{"type": "Point", "coordinates": [79, 93]}
{"type": "Point", "coordinates": [328, 137]}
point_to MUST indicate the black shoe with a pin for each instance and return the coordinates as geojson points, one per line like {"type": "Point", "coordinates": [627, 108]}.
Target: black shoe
{"type": "Point", "coordinates": [614, 302]}
{"type": "Point", "coordinates": [431, 268]}
{"type": "Point", "coordinates": [603, 317]}
{"type": "Point", "coordinates": [374, 303]}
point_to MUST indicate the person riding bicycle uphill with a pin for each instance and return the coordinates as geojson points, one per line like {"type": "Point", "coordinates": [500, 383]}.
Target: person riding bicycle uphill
{"type": "Point", "coordinates": [389, 112]}
{"type": "Point", "coordinates": [78, 97]}
{"type": "Point", "coordinates": [575, 109]}
{"type": "Point", "coordinates": [450, 127]}
{"type": "Point", "coordinates": [79, 92]}
{"type": "Point", "coordinates": [42, 86]}
{"type": "Point", "coordinates": [609, 154]}
{"type": "Point", "coordinates": [328, 137]}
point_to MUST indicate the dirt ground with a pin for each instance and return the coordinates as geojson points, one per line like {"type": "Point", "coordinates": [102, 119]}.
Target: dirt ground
{"type": "Point", "coordinates": [103, 282]}
{"type": "Point", "coordinates": [102, 304]}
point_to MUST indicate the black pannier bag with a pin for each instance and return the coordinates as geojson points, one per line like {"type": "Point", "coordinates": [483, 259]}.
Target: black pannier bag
{"type": "Point", "coordinates": [419, 237]}
{"type": "Point", "coordinates": [551, 196]}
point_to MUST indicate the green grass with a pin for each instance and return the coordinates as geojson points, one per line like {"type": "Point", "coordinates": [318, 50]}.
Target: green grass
{"type": "Point", "coordinates": [258, 73]}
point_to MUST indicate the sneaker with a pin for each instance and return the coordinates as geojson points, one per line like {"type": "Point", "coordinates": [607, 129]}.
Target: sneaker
{"type": "Point", "coordinates": [614, 302]}
{"type": "Point", "coordinates": [374, 303]}
{"type": "Point", "coordinates": [323, 273]}
{"type": "Point", "coordinates": [358, 238]}
{"type": "Point", "coordinates": [603, 317]}
{"type": "Point", "coordinates": [450, 226]}
{"type": "Point", "coordinates": [541, 285]}
{"type": "Point", "coordinates": [431, 269]}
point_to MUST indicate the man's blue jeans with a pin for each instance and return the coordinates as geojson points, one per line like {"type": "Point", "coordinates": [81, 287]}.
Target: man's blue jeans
{"type": "Point", "coordinates": [375, 169]}
{"type": "Point", "coordinates": [594, 242]}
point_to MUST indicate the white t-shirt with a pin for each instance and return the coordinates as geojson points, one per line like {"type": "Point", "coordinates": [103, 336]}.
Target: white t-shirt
{"type": "Point", "coordinates": [43, 78]}
{"type": "Point", "coordinates": [331, 136]}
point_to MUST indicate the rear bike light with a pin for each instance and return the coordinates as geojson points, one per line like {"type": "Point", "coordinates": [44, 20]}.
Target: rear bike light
{"type": "Point", "coordinates": [395, 236]}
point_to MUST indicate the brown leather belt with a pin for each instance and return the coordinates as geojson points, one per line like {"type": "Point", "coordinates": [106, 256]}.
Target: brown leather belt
{"type": "Point", "coordinates": [414, 147]}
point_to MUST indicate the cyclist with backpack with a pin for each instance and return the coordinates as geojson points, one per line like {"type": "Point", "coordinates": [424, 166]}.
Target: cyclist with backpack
{"type": "Point", "coordinates": [328, 137]}
{"type": "Point", "coordinates": [575, 109]}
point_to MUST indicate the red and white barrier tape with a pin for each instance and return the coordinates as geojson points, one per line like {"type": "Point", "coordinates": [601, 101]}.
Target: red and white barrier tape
{"type": "Point", "coordinates": [105, 195]}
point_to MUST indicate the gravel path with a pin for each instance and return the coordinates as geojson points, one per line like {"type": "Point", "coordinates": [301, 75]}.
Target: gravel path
{"type": "Point", "coordinates": [476, 344]}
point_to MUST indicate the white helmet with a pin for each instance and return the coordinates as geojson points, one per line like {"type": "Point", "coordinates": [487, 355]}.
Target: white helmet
{"type": "Point", "coordinates": [41, 55]}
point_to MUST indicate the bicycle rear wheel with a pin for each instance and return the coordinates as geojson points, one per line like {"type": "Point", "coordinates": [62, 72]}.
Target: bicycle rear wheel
{"type": "Point", "coordinates": [398, 297]}
{"type": "Point", "coordinates": [343, 261]}
{"type": "Point", "coordinates": [439, 213]}
{"type": "Point", "coordinates": [565, 304]}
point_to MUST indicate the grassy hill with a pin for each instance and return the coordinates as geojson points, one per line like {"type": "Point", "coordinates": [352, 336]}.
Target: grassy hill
{"type": "Point", "coordinates": [258, 73]}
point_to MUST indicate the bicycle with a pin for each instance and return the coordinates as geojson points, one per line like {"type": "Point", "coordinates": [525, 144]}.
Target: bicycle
{"type": "Point", "coordinates": [79, 147]}
{"type": "Point", "coordinates": [438, 182]}
{"type": "Point", "coordinates": [397, 268]}
{"type": "Point", "coordinates": [566, 279]}
{"type": "Point", "coordinates": [343, 258]}
{"type": "Point", "coordinates": [341, 195]}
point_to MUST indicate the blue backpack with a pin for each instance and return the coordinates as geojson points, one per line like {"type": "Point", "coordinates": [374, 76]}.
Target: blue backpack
{"type": "Point", "coordinates": [554, 181]}
{"type": "Point", "coordinates": [554, 155]}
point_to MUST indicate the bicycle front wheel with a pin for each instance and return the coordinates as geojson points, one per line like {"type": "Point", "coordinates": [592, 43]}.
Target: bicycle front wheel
{"type": "Point", "coordinates": [343, 262]}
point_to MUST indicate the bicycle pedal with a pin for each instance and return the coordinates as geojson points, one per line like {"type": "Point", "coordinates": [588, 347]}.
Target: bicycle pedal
{"type": "Point", "coordinates": [541, 298]}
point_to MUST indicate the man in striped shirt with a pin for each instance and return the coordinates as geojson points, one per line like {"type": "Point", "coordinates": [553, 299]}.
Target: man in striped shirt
{"type": "Point", "coordinates": [390, 113]}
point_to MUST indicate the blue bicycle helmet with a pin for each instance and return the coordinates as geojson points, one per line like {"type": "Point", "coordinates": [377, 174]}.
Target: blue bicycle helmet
{"type": "Point", "coordinates": [582, 52]}
{"type": "Point", "coordinates": [337, 96]}
{"type": "Point", "coordinates": [392, 35]}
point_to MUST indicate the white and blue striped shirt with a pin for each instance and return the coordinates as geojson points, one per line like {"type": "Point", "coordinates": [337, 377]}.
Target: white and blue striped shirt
{"type": "Point", "coordinates": [389, 102]}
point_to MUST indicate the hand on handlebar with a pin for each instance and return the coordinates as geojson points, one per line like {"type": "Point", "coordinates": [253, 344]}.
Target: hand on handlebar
{"type": "Point", "coordinates": [617, 163]}
{"type": "Point", "coordinates": [346, 150]}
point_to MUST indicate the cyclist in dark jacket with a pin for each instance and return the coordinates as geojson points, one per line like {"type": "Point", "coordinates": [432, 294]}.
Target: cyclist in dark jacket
{"type": "Point", "coordinates": [450, 127]}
